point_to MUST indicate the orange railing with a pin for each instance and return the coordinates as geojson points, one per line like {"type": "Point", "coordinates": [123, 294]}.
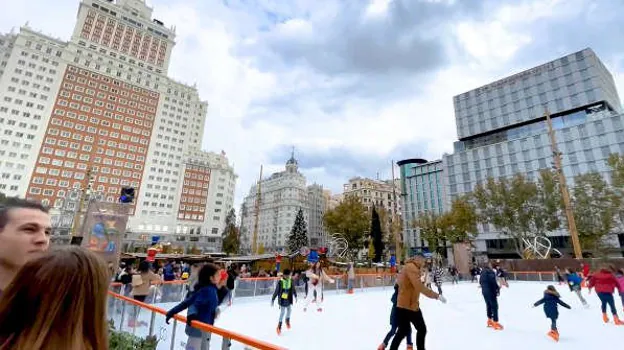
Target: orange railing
{"type": "Point", "coordinates": [122, 308]}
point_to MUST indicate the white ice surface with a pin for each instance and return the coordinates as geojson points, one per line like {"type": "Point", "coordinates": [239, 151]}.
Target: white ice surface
{"type": "Point", "coordinates": [361, 320]}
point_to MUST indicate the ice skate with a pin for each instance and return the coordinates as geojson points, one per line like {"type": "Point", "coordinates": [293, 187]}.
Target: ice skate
{"type": "Point", "coordinates": [381, 346]}
{"type": "Point", "coordinates": [605, 318]}
{"type": "Point", "coordinates": [279, 328]}
{"type": "Point", "coordinates": [288, 323]}
{"type": "Point", "coordinates": [617, 321]}
{"type": "Point", "coordinates": [410, 347]}
{"type": "Point", "coordinates": [305, 309]}
{"type": "Point", "coordinates": [554, 335]}
{"type": "Point", "coordinates": [497, 326]}
{"type": "Point", "coordinates": [490, 323]}
{"type": "Point", "coordinates": [320, 309]}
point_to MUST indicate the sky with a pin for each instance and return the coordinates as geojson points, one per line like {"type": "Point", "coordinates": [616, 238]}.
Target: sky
{"type": "Point", "coordinates": [350, 84]}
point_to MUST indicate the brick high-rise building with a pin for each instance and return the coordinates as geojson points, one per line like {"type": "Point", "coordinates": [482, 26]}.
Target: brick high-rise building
{"type": "Point", "coordinates": [102, 104]}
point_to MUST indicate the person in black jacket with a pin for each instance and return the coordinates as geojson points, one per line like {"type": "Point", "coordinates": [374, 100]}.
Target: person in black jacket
{"type": "Point", "coordinates": [286, 291]}
{"type": "Point", "coordinates": [551, 300]}
{"type": "Point", "coordinates": [490, 291]}
{"type": "Point", "coordinates": [394, 325]}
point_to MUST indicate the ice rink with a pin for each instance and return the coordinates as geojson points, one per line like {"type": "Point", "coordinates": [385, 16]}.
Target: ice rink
{"type": "Point", "coordinates": [361, 320]}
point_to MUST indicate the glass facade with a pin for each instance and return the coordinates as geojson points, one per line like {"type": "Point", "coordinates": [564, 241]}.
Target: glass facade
{"type": "Point", "coordinates": [422, 189]}
{"type": "Point", "coordinates": [586, 115]}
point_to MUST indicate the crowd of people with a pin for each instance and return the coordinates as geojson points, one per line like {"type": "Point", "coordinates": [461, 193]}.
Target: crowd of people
{"type": "Point", "coordinates": [72, 314]}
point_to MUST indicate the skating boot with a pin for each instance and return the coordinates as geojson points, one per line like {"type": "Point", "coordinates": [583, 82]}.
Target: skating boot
{"type": "Point", "coordinates": [279, 328]}
{"type": "Point", "coordinates": [605, 318]}
{"type": "Point", "coordinates": [490, 323]}
{"type": "Point", "coordinates": [497, 326]}
{"type": "Point", "coordinates": [410, 347]}
{"type": "Point", "coordinates": [305, 309]}
{"type": "Point", "coordinates": [617, 321]}
{"type": "Point", "coordinates": [381, 346]}
{"type": "Point", "coordinates": [320, 309]}
{"type": "Point", "coordinates": [288, 323]}
{"type": "Point", "coordinates": [554, 335]}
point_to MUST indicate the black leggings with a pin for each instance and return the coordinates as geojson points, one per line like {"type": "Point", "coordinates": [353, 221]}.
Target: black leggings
{"type": "Point", "coordinates": [607, 299]}
{"type": "Point", "coordinates": [404, 320]}
{"type": "Point", "coordinates": [491, 306]}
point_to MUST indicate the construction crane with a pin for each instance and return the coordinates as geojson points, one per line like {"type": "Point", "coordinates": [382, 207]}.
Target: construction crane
{"type": "Point", "coordinates": [254, 244]}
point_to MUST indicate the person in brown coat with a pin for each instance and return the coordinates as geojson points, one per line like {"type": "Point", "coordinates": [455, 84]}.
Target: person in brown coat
{"type": "Point", "coordinates": [408, 307]}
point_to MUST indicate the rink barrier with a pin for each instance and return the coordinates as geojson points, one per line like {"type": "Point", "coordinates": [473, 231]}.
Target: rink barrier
{"type": "Point", "coordinates": [175, 291]}
{"type": "Point", "coordinates": [124, 309]}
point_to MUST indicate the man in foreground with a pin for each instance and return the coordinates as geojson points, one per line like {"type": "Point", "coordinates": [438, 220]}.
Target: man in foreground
{"type": "Point", "coordinates": [408, 307]}
{"type": "Point", "coordinates": [24, 235]}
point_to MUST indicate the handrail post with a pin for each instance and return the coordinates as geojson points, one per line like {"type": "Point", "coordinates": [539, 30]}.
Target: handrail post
{"type": "Point", "coordinates": [151, 326]}
{"type": "Point", "coordinates": [123, 313]}
{"type": "Point", "coordinates": [226, 343]}
{"type": "Point", "coordinates": [173, 334]}
{"type": "Point", "coordinates": [255, 286]}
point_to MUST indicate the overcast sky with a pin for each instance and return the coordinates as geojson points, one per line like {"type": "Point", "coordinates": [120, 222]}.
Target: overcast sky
{"type": "Point", "coordinates": [351, 84]}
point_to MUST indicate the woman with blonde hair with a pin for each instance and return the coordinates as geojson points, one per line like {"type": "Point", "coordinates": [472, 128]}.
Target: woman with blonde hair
{"type": "Point", "coordinates": [57, 301]}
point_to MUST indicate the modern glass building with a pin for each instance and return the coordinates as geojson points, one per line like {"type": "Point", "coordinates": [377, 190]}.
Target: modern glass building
{"type": "Point", "coordinates": [502, 130]}
{"type": "Point", "coordinates": [422, 191]}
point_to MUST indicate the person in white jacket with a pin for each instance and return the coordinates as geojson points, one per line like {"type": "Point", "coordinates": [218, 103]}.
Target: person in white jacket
{"type": "Point", "coordinates": [316, 276]}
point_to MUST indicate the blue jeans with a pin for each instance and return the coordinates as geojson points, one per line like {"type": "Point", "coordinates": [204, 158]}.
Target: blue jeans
{"type": "Point", "coordinates": [393, 331]}
{"type": "Point", "coordinates": [349, 284]}
{"type": "Point", "coordinates": [607, 298]}
{"type": "Point", "coordinates": [286, 310]}
{"type": "Point", "coordinates": [553, 324]}
{"type": "Point", "coordinates": [491, 305]}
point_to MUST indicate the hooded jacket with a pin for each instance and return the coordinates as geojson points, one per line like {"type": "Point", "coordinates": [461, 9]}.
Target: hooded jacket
{"type": "Point", "coordinates": [604, 282]}
{"type": "Point", "coordinates": [410, 286]}
{"type": "Point", "coordinates": [550, 300]}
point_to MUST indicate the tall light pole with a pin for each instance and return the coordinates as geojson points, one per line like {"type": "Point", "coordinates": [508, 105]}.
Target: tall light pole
{"type": "Point", "coordinates": [254, 243]}
{"type": "Point", "coordinates": [564, 189]}
{"type": "Point", "coordinates": [393, 226]}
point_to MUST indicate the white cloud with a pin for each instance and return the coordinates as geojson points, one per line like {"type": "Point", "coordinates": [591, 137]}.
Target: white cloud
{"type": "Point", "coordinates": [366, 80]}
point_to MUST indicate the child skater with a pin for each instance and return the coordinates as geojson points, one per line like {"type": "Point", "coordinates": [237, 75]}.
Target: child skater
{"type": "Point", "coordinates": [394, 324]}
{"type": "Point", "coordinates": [202, 304]}
{"type": "Point", "coordinates": [285, 291]}
{"type": "Point", "coordinates": [620, 278]}
{"type": "Point", "coordinates": [574, 282]}
{"type": "Point", "coordinates": [551, 300]}
{"type": "Point", "coordinates": [605, 283]}
{"type": "Point", "coordinates": [316, 275]}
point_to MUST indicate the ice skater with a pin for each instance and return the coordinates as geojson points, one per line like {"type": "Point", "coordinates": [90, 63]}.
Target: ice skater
{"type": "Point", "coordinates": [574, 282]}
{"type": "Point", "coordinates": [287, 294]}
{"type": "Point", "coordinates": [605, 283]}
{"type": "Point", "coordinates": [408, 310]}
{"type": "Point", "coordinates": [490, 290]}
{"type": "Point", "coordinates": [438, 277]}
{"type": "Point", "coordinates": [620, 278]}
{"type": "Point", "coordinates": [394, 325]}
{"type": "Point", "coordinates": [202, 304]}
{"type": "Point", "coordinates": [551, 301]}
{"type": "Point", "coordinates": [316, 276]}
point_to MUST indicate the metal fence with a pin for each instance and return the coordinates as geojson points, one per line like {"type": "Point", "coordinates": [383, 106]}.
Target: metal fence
{"type": "Point", "coordinates": [147, 323]}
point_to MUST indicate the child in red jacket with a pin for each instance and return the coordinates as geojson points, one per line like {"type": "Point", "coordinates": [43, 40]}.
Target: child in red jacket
{"type": "Point", "coordinates": [605, 283]}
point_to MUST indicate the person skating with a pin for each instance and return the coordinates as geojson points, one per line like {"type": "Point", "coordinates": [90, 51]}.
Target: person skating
{"type": "Point", "coordinates": [408, 309]}
{"type": "Point", "coordinates": [620, 278]}
{"type": "Point", "coordinates": [203, 305]}
{"type": "Point", "coordinates": [605, 284]}
{"type": "Point", "coordinates": [560, 278]}
{"type": "Point", "coordinates": [490, 291]}
{"type": "Point", "coordinates": [438, 276]}
{"type": "Point", "coordinates": [317, 275]}
{"type": "Point", "coordinates": [454, 274]}
{"type": "Point", "coordinates": [286, 293]}
{"type": "Point", "coordinates": [551, 301]}
{"type": "Point", "coordinates": [394, 324]}
{"type": "Point", "coordinates": [574, 282]}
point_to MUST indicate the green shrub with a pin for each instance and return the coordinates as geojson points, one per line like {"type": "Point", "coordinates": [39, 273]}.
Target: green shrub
{"type": "Point", "coordinates": [118, 340]}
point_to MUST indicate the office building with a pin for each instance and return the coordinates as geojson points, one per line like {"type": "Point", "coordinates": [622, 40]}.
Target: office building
{"type": "Point", "coordinates": [502, 129]}
{"type": "Point", "coordinates": [422, 192]}
{"type": "Point", "coordinates": [99, 112]}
